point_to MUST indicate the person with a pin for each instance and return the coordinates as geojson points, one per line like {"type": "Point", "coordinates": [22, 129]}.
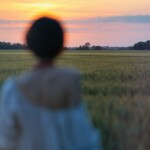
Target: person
{"type": "Point", "coordinates": [42, 109]}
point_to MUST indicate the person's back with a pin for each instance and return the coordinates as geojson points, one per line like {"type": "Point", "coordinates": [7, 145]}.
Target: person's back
{"type": "Point", "coordinates": [42, 109]}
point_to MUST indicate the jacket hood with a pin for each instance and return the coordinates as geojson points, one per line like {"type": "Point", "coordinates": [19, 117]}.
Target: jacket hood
{"type": "Point", "coordinates": [54, 88]}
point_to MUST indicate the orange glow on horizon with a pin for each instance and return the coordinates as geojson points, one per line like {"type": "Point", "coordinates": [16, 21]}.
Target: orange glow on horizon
{"type": "Point", "coordinates": [62, 10]}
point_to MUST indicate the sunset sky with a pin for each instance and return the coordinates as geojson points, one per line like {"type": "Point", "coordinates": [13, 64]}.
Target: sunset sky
{"type": "Point", "coordinates": [100, 22]}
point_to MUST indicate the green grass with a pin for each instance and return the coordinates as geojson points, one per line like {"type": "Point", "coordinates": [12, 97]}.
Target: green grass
{"type": "Point", "coordinates": [116, 88]}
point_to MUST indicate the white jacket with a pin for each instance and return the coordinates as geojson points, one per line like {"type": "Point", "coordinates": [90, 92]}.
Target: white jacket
{"type": "Point", "coordinates": [42, 110]}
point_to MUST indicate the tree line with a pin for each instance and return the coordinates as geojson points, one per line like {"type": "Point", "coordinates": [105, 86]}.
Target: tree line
{"type": "Point", "coordinates": [141, 46]}
{"type": "Point", "coordinates": [87, 46]}
{"type": "Point", "coordinates": [13, 46]}
{"type": "Point", "coordinates": [137, 46]}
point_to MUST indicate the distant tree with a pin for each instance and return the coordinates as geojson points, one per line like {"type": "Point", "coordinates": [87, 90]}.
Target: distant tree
{"type": "Point", "coordinates": [84, 47]}
{"type": "Point", "coordinates": [87, 44]}
{"type": "Point", "coordinates": [65, 48]}
{"type": "Point", "coordinates": [97, 47]}
{"type": "Point", "coordinates": [142, 46]}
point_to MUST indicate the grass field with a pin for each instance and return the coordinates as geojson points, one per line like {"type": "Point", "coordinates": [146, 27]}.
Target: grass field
{"type": "Point", "coordinates": [116, 88]}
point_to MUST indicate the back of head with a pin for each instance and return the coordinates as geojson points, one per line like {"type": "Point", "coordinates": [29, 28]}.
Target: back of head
{"type": "Point", "coordinates": [45, 38]}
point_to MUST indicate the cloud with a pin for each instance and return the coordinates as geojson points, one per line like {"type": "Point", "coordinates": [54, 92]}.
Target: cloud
{"type": "Point", "coordinates": [76, 30]}
{"type": "Point", "coordinates": [11, 28]}
{"type": "Point", "coordinates": [2, 21]}
{"type": "Point", "coordinates": [13, 24]}
{"type": "Point", "coordinates": [19, 24]}
{"type": "Point", "coordinates": [113, 19]}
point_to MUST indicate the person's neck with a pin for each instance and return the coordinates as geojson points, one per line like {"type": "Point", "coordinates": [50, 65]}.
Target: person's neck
{"type": "Point", "coordinates": [44, 64]}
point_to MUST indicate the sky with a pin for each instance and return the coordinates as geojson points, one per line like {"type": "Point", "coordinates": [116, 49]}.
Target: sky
{"type": "Point", "coordinates": [100, 22]}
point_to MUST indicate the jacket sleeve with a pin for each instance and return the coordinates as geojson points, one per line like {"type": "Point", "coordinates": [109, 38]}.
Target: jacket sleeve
{"type": "Point", "coordinates": [8, 130]}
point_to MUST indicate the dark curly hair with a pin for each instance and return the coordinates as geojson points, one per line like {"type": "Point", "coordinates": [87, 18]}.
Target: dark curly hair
{"type": "Point", "coordinates": [45, 38]}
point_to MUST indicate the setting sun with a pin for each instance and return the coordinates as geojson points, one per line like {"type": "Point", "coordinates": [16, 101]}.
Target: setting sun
{"type": "Point", "coordinates": [41, 6]}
